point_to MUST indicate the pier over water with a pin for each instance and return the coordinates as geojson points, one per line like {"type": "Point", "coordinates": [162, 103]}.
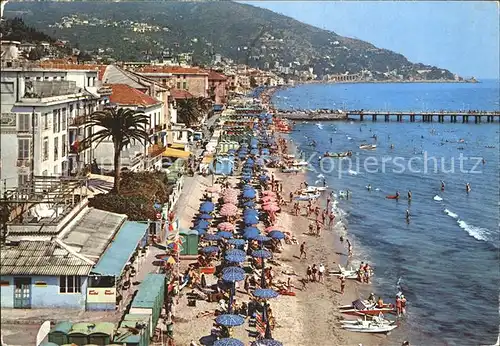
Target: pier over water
{"type": "Point", "coordinates": [399, 116]}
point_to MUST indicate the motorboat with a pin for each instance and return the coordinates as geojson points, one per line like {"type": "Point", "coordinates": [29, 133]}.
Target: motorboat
{"type": "Point", "coordinates": [360, 309]}
{"type": "Point", "coordinates": [314, 189]}
{"type": "Point", "coordinates": [348, 274]}
{"type": "Point", "coordinates": [368, 146]}
{"type": "Point", "coordinates": [344, 154]}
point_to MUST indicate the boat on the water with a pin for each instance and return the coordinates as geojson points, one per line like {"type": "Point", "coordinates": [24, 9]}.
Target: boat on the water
{"type": "Point", "coordinates": [392, 197]}
{"type": "Point", "coordinates": [344, 154]}
{"type": "Point", "coordinates": [368, 146]}
{"type": "Point", "coordinates": [360, 309]}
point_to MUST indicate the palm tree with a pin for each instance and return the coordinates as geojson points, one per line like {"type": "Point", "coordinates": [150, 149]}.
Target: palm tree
{"type": "Point", "coordinates": [122, 125]}
{"type": "Point", "coordinates": [204, 104]}
{"type": "Point", "coordinates": [188, 111]}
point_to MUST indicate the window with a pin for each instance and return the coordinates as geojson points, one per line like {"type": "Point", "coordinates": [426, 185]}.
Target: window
{"type": "Point", "coordinates": [22, 179]}
{"type": "Point", "coordinates": [184, 85]}
{"type": "Point", "coordinates": [45, 121]}
{"type": "Point", "coordinates": [55, 122]}
{"type": "Point", "coordinates": [58, 120]}
{"type": "Point", "coordinates": [27, 78]}
{"type": "Point", "coordinates": [45, 151]}
{"type": "Point", "coordinates": [70, 110]}
{"type": "Point", "coordinates": [62, 77]}
{"type": "Point", "coordinates": [39, 78]}
{"type": "Point", "coordinates": [88, 81]}
{"type": "Point", "coordinates": [64, 119]}
{"type": "Point", "coordinates": [7, 88]}
{"type": "Point", "coordinates": [178, 85]}
{"type": "Point", "coordinates": [56, 148]}
{"type": "Point", "coordinates": [46, 77]}
{"type": "Point", "coordinates": [23, 149]}
{"type": "Point", "coordinates": [63, 146]}
{"type": "Point", "coordinates": [70, 284]}
{"type": "Point", "coordinates": [24, 122]}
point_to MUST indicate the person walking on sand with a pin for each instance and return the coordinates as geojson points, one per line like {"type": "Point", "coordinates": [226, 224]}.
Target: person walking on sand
{"type": "Point", "coordinates": [303, 250]}
{"type": "Point", "coordinates": [291, 196]}
{"type": "Point", "coordinates": [328, 201]}
{"type": "Point", "coordinates": [321, 273]}
{"type": "Point", "coordinates": [318, 229]}
{"type": "Point", "coordinates": [314, 270]}
{"type": "Point", "coordinates": [331, 217]}
{"type": "Point", "coordinates": [342, 284]}
{"type": "Point", "coordinates": [323, 216]}
{"type": "Point", "coordinates": [309, 273]}
{"type": "Point", "coordinates": [349, 247]}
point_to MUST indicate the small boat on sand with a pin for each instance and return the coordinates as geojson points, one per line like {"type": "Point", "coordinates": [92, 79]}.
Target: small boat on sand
{"type": "Point", "coordinates": [368, 146]}
{"type": "Point", "coordinates": [314, 189]}
{"type": "Point", "coordinates": [348, 274]}
{"type": "Point", "coordinates": [300, 163]}
{"type": "Point", "coordinates": [377, 325]}
{"type": "Point", "coordinates": [290, 169]}
{"type": "Point", "coordinates": [360, 309]}
{"type": "Point", "coordinates": [307, 197]}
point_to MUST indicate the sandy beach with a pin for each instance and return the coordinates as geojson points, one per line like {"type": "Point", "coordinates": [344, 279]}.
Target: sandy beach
{"type": "Point", "coordinates": [310, 317]}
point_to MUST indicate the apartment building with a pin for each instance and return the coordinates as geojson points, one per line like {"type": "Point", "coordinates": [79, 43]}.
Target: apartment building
{"type": "Point", "coordinates": [192, 79]}
{"type": "Point", "coordinates": [43, 113]}
{"type": "Point", "coordinates": [218, 87]}
{"type": "Point", "coordinates": [136, 156]}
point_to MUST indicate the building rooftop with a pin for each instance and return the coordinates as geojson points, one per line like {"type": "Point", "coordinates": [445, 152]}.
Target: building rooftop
{"type": "Point", "coordinates": [216, 76]}
{"type": "Point", "coordinates": [42, 89]}
{"type": "Point", "coordinates": [172, 70]}
{"type": "Point", "coordinates": [180, 94]}
{"type": "Point", "coordinates": [124, 94]}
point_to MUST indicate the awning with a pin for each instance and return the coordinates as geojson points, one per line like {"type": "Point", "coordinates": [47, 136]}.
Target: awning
{"type": "Point", "coordinates": [121, 249]}
{"type": "Point", "coordinates": [180, 146]}
{"type": "Point", "coordinates": [171, 152]}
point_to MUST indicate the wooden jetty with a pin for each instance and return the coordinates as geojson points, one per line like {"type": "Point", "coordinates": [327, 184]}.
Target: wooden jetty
{"type": "Point", "coordinates": [399, 116]}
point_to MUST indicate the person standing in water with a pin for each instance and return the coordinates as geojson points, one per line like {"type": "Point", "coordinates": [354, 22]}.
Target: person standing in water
{"type": "Point", "coordinates": [397, 194]}
{"type": "Point", "coordinates": [409, 195]}
{"type": "Point", "coordinates": [369, 187]}
{"type": "Point", "coordinates": [442, 185]}
{"type": "Point", "coordinates": [467, 187]}
{"type": "Point", "coordinates": [408, 215]}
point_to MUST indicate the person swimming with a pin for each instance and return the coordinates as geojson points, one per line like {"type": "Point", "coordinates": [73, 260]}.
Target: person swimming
{"type": "Point", "coordinates": [397, 194]}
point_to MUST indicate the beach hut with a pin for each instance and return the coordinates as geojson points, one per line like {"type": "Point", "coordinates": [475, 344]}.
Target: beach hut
{"type": "Point", "coordinates": [190, 241]}
{"type": "Point", "coordinates": [102, 333]}
{"type": "Point", "coordinates": [79, 333]}
{"type": "Point", "coordinates": [134, 320]}
{"type": "Point", "coordinates": [150, 297]}
{"type": "Point", "coordinates": [134, 332]}
{"type": "Point", "coordinates": [59, 333]}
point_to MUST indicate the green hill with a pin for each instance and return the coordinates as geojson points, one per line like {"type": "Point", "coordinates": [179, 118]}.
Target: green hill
{"type": "Point", "coordinates": [241, 32]}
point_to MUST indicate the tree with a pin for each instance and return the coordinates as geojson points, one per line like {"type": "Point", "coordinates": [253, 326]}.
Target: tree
{"type": "Point", "coordinates": [122, 125]}
{"type": "Point", "coordinates": [253, 82]}
{"type": "Point", "coordinates": [36, 54]}
{"type": "Point", "coordinates": [204, 104]}
{"type": "Point", "coordinates": [188, 111]}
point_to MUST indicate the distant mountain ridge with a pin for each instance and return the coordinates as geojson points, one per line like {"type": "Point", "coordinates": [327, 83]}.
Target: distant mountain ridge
{"type": "Point", "coordinates": [243, 33]}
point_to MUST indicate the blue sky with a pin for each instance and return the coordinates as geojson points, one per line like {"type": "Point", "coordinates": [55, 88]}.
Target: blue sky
{"type": "Point", "coordinates": [462, 36]}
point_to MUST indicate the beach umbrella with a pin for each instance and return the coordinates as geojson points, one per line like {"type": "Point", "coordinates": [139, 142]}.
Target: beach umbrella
{"type": "Point", "coordinates": [211, 237]}
{"type": "Point", "coordinates": [254, 152]}
{"type": "Point", "coordinates": [250, 235]}
{"type": "Point", "coordinates": [235, 258]}
{"type": "Point", "coordinates": [233, 269]}
{"type": "Point", "coordinates": [200, 231]}
{"type": "Point", "coordinates": [266, 342]}
{"type": "Point", "coordinates": [262, 254]}
{"type": "Point", "coordinates": [229, 209]}
{"type": "Point", "coordinates": [271, 208]}
{"type": "Point", "coordinates": [236, 242]}
{"type": "Point", "coordinates": [268, 193]}
{"type": "Point", "coordinates": [232, 276]}
{"type": "Point", "coordinates": [228, 342]}
{"type": "Point", "coordinates": [201, 223]}
{"type": "Point", "coordinates": [235, 252]}
{"type": "Point", "coordinates": [268, 198]}
{"type": "Point", "coordinates": [206, 207]}
{"type": "Point", "coordinates": [260, 238]}
{"type": "Point", "coordinates": [231, 199]}
{"type": "Point", "coordinates": [250, 212]}
{"type": "Point", "coordinates": [251, 229]}
{"type": "Point", "coordinates": [205, 217]}
{"type": "Point", "coordinates": [265, 293]}
{"type": "Point", "coordinates": [225, 235]}
{"type": "Point", "coordinates": [210, 249]}
{"type": "Point", "coordinates": [263, 178]}
{"type": "Point", "coordinates": [276, 235]}
{"type": "Point", "coordinates": [251, 220]}
{"type": "Point", "coordinates": [225, 226]}
{"type": "Point", "coordinates": [230, 320]}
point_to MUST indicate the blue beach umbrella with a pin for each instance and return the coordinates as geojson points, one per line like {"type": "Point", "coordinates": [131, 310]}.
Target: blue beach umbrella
{"type": "Point", "coordinates": [251, 220]}
{"type": "Point", "coordinates": [233, 269]}
{"type": "Point", "coordinates": [205, 217]}
{"type": "Point", "coordinates": [205, 208]}
{"type": "Point", "coordinates": [235, 258]}
{"type": "Point", "coordinates": [250, 212]}
{"type": "Point", "coordinates": [254, 152]}
{"type": "Point", "coordinates": [251, 229]}
{"type": "Point", "coordinates": [230, 320]}
{"type": "Point", "coordinates": [211, 237]}
{"type": "Point", "coordinates": [260, 238]}
{"type": "Point", "coordinates": [262, 254]}
{"type": "Point", "coordinates": [249, 204]}
{"type": "Point", "coordinates": [231, 276]}
{"type": "Point", "coordinates": [200, 231]}
{"type": "Point", "coordinates": [202, 223]}
{"type": "Point", "coordinates": [265, 293]}
{"type": "Point", "coordinates": [277, 235]}
{"type": "Point", "coordinates": [235, 252]}
{"type": "Point", "coordinates": [210, 249]}
{"type": "Point", "coordinates": [249, 194]}
{"type": "Point", "coordinates": [225, 235]}
{"type": "Point", "coordinates": [228, 342]}
{"type": "Point", "coordinates": [236, 242]}
{"type": "Point", "coordinates": [266, 342]}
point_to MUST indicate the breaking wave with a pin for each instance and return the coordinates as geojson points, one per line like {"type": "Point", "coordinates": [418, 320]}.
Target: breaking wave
{"type": "Point", "coordinates": [478, 233]}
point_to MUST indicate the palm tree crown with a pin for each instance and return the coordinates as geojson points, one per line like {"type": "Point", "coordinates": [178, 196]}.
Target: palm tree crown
{"type": "Point", "coordinates": [188, 111]}
{"type": "Point", "coordinates": [122, 126]}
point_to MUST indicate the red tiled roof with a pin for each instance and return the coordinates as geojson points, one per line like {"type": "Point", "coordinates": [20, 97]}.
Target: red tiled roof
{"type": "Point", "coordinates": [212, 75]}
{"type": "Point", "coordinates": [180, 94]}
{"type": "Point", "coordinates": [124, 94]}
{"type": "Point", "coordinates": [173, 70]}
{"type": "Point", "coordinates": [60, 65]}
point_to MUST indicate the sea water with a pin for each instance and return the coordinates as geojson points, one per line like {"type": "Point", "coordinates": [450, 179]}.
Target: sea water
{"type": "Point", "coordinates": [446, 258]}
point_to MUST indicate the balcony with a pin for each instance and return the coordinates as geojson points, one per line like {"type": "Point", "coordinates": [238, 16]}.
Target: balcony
{"type": "Point", "coordinates": [155, 150]}
{"type": "Point", "coordinates": [80, 147]}
{"type": "Point", "coordinates": [78, 121]}
{"type": "Point", "coordinates": [23, 163]}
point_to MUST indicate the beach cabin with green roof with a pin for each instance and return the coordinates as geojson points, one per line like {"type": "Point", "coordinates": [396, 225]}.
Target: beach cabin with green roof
{"type": "Point", "coordinates": [79, 333]}
{"type": "Point", "coordinates": [150, 297]}
{"type": "Point", "coordinates": [59, 333]}
{"type": "Point", "coordinates": [102, 333]}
